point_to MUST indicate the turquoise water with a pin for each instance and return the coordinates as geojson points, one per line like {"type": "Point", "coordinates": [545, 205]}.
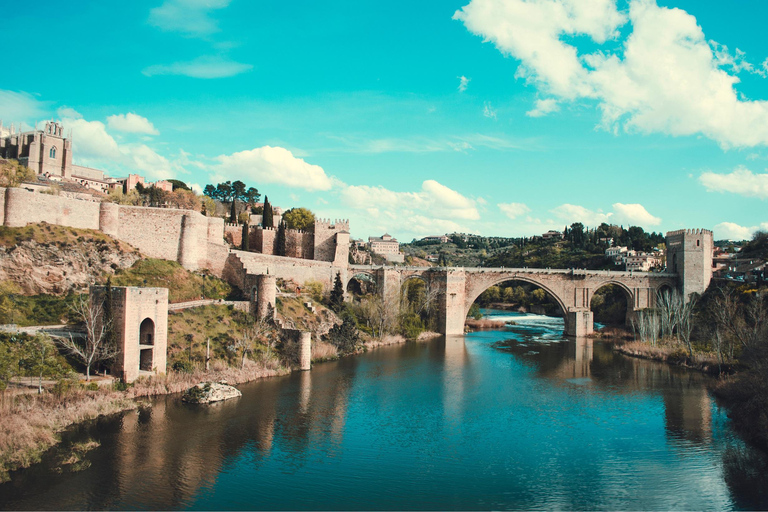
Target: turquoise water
{"type": "Point", "coordinates": [514, 419]}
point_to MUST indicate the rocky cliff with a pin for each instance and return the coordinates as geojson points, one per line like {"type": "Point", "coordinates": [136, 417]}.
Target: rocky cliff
{"type": "Point", "coordinates": [53, 261]}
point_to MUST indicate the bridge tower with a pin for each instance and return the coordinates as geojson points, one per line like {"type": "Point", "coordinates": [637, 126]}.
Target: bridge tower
{"type": "Point", "coordinates": [689, 255]}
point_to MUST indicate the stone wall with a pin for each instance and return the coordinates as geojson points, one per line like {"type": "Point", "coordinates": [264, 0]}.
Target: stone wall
{"type": "Point", "coordinates": [185, 236]}
{"type": "Point", "coordinates": [23, 207]}
{"type": "Point", "coordinates": [240, 264]}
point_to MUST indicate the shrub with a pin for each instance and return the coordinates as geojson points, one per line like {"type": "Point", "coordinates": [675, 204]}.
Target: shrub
{"type": "Point", "coordinates": [183, 366]}
{"type": "Point", "coordinates": [315, 290]}
{"type": "Point", "coordinates": [345, 336]}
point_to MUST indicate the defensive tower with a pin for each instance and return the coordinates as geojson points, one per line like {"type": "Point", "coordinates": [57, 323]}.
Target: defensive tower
{"type": "Point", "coordinates": [689, 255]}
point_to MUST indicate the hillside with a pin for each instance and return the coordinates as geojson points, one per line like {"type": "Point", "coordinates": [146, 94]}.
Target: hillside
{"type": "Point", "coordinates": [55, 260]}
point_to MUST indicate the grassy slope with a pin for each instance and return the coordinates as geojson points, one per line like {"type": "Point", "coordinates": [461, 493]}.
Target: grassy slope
{"type": "Point", "coordinates": [182, 284]}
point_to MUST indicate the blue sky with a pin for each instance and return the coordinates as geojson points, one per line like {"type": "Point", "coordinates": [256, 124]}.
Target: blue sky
{"type": "Point", "coordinates": [498, 117]}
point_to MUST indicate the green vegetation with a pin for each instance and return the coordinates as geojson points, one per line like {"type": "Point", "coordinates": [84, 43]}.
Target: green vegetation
{"type": "Point", "coordinates": [22, 355]}
{"type": "Point", "coordinates": [189, 331]}
{"type": "Point", "coordinates": [344, 336]}
{"type": "Point", "coordinates": [12, 173]}
{"type": "Point", "coordinates": [25, 310]}
{"type": "Point", "coordinates": [48, 234]}
{"type": "Point", "coordinates": [229, 192]}
{"type": "Point", "coordinates": [267, 219]}
{"type": "Point", "coordinates": [581, 247]}
{"type": "Point", "coordinates": [182, 284]}
{"type": "Point", "coordinates": [299, 218]}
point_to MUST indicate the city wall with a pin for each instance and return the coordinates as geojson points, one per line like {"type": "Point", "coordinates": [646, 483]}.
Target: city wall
{"type": "Point", "coordinates": [185, 236]}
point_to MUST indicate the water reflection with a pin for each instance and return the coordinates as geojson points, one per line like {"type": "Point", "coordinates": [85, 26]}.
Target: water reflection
{"type": "Point", "coordinates": [520, 418]}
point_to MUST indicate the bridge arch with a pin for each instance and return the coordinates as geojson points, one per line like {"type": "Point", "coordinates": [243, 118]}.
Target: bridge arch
{"type": "Point", "coordinates": [627, 293]}
{"type": "Point", "coordinates": [360, 283]}
{"type": "Point", "coordinates": [474, 294]}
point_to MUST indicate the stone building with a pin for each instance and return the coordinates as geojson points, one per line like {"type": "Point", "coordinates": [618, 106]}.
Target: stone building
{"type": "Point", "coordinates": [49, 153]}
{"type": "Point", "coordinates": [386, 246]}
{"type": "Point", "coordinates": [140, 322]}
{"type": "Point", "coordinates": [689, 254]}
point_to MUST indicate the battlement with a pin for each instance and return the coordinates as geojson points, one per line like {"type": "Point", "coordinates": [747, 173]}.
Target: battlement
{"type": "Point", "coordinates": [339, 224]}
{"type": "Point", "coordinates": [689, 232]}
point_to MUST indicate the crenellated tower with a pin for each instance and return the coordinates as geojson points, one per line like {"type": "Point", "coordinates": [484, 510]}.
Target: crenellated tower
{"type": "Point", "coordinates": [689, 255]}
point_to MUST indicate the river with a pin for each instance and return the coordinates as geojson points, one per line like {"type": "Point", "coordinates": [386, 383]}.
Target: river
{"type": "Point", "coordinates": [515, 419]}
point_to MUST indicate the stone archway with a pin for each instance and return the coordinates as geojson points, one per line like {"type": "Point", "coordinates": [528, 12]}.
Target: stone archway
{"type": "Point", "coordinates": [612, 292]}
{"type": "Point", "coordinates": [146, 345]}
{"type": "Point", "coordinates": [360, 283]}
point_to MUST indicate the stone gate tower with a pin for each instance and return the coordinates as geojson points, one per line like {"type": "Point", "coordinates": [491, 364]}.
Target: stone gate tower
{"type": "Point", "coordinates": [689, 254]}
{"type": "Point", "coordinates": [140, 321]}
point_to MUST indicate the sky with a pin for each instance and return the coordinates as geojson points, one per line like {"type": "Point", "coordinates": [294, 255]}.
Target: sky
{"type": "Point", "coordinates": [496, 117]}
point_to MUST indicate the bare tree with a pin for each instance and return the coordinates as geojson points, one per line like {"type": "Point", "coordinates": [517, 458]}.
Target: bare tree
{"type": "Point", "coordinates": [668, 303]}
{"type": "Point", "coordinates": [253, 332]}
{"type": "Point", "coordinates": [94, 348]}
{"type": "Point", "coordinates": [684, 321]}
{"type": "Point", "coordinates": [646, 325]}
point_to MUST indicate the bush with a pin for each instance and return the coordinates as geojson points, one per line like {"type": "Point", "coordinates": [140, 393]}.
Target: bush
{"type": "Point", "coordinates": [183, 367]}
{"type": "Point", "coordinates": [315, 290]}
{"type": "Point", "coordinates": [93, 386]}
{"type": "Point", "coordinates": [344, 337]}
{"type": "Point", "coordinates": [411, 325]}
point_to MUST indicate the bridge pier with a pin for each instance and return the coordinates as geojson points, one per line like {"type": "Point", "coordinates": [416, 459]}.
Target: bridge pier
{"type": "Point", "coordinates": [579, 323]}
{"type": "Point", "coordinates": [452, 301]}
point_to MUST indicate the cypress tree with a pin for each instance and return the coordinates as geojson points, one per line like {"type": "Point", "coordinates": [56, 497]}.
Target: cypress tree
{"type": "Point", "coordinates": [280, 239]}
{"type": "Point", "coordinates": [337, 294]}
{"type": "Point", "coordinates": [233, 211]}
{"type": "Point", "coordinates": [266, 220]}
{"type": "Point", "coordinates": [246, 242]}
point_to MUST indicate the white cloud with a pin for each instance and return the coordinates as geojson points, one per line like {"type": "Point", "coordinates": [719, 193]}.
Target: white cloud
{"type": "Point", "coordinates": [90, 139]}
{"type": "Point", "coordinates": [426, 145]}
{"type": "Point", "coordinates": [543, 107]}
{"type": "Point", "coordinates": [575, 213]}
{"type": "Point", "coordinates": [634, 214]}
{"type": "Point", "coordinates": [432, 210]}
{"type": "Point", "coordinates": [665, 77]}
{"type": "Point", "coordinates": [189, 17]}
{"type": "Point", "coordinates": [463, 83]}
{"type": "Point", "coordinates": [131, 123]}
{"type": "Point", "coordinates": [16, 107]}
{"type": "Point", "coordinates": [733, 231]}
{"type": "Point", "coordinates": [625, 214]}
{"type": "Point", "coordinates": [488, 110]}
{"type": "Point", "coordinates": [741, 181]}
{"type": "Point", "coordinates": [196, 188]}
{"type": "Point", "coordinates": [205, 67]}
{"type": "Point", "coordinates": [737, 61]}
{"type": "Point", "coordinates": [513, 210]}
{"type": "Point", "coordinates": [271, 165]}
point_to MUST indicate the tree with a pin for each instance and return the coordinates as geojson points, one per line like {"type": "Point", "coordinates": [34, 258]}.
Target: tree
{"type": "Point", "coordinates": [280, 239]}
{"type": "Point", "coordinates": [344, 336]}
{"type": "Point", "coordinates": [179, 185]}
{"type": "Point", "coordinates": [94, 348]}
{"type": "Point", "coordinates": [228, 192]}
{"type": "Point", "coordinates": [208, 206]}
{"type": "Point", "coordinates": [252, 332]}
{"type": "Point", "coordinates": [246, 242]}
{"type": "Point", "coordinates": [337, 294]}
{"type": "Point", "coordinates": [267, 219]}
{"type": "Point", "coordinates": [299, 218]}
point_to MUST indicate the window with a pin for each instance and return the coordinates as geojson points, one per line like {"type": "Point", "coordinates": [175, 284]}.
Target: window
{"type": "Point", "coordinates": [52, 152]}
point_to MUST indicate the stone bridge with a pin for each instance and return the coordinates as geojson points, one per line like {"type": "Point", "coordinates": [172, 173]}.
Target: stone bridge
{"type": "Point", "coordinates": [689, 258]}
{"type": "Point", "coordinates": [572, 290]}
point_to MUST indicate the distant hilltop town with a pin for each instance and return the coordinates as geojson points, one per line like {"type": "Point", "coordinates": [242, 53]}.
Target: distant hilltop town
{"type": "Point", "coordinates": [49, 153]}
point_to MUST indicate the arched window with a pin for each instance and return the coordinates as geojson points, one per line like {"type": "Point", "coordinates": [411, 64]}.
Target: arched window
{"type": "Point", "coordinates": [52, 152]}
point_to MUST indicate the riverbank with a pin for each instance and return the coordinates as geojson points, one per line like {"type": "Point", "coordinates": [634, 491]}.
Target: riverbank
{"type": "Point", "coordinates": [30, 424]}
{"type": "Point", "coordinates": [673, 354]}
